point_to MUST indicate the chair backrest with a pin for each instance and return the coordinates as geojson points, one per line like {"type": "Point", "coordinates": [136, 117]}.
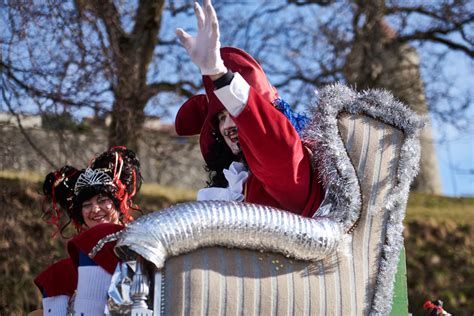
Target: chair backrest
{"type": "Point", "coordinates": [367, 147]}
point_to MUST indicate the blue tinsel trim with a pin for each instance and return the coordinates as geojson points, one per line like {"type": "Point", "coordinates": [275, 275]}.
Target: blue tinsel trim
{"type": "Point", "coordinates": [298, 120]}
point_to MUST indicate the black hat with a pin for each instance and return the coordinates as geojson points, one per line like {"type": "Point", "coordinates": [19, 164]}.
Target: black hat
{"type": "Point", "coordinates": [58, 188]}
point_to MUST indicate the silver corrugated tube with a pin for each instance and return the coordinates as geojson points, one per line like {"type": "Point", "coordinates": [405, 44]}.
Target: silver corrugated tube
{"type": "Point", "coordinates": [188, 226]}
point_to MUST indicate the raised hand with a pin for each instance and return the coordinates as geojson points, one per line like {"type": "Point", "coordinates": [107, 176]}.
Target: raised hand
{"type": "Point", "coordinates": [204, 48]}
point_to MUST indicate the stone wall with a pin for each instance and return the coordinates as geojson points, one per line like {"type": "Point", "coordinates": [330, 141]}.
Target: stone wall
{"type": "Point", "coordinates": [165, 159]}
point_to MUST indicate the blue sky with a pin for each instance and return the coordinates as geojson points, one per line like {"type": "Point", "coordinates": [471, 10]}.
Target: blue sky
{"type": "Point", "coordinates": [455, 148]}
{"type": "Point", "coordinates": [455, 153]}
{"type": "Point", "coordinates": [456, 161]}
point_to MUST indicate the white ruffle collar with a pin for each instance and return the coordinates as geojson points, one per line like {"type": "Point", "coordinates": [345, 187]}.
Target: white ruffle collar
{"type": "Point", "coordinates": [236, 176]}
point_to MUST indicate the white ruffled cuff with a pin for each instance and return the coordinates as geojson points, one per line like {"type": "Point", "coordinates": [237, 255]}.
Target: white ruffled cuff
{"type": "Point", "coordinates": [236, 176]}
{"type": "Point", "coordinates": [213, 194]}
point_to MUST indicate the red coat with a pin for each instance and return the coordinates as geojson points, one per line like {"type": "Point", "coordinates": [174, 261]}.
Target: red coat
{"type": "Point", "coordinates": [87, 240]}
{"type": "Point", "coordinates": [280, 165]}
{"type": "Point", "coordinates": [60, 278]}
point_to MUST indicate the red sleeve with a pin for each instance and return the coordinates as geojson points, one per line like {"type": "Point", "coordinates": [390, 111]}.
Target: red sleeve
{"type": "Point", "coordinates": [87, 240]}
{"type": "Point", "coordinates": [60, 278]}
{"type": "Point", "coordinates": [274, 152]}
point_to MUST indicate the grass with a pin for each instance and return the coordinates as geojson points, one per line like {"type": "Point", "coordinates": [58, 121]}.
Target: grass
{"type": "Point", "coordinates": [148, 191]}
{"type": "Point", "coordinates": [439, 233]}
{"type": "Point", "coordinates": [27, 176]}
{"type": "Point", "coordinates": [423, 206]}
{"type": "Point", "coordinates": [420, 206]}
{"type": "Point", "coordinates": [171, 194]}
{"type": "Point", "coordinates": [26, 243]}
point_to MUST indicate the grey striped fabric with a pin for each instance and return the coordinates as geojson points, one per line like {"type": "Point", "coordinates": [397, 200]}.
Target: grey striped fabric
{"type": "Point", "coordinates": [220, 281]}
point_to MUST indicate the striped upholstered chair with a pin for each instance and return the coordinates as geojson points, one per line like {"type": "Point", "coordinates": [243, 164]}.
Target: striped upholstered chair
{"type": "Point", "coordinates": [366, 147]}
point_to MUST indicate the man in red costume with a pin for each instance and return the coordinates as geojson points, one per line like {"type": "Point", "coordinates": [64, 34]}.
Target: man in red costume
{"type": "Point", "coordinates": [251, 148]}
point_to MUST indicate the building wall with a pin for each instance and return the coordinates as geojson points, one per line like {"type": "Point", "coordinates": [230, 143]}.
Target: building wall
{"type": "Point", "coordinates": [165, 159]}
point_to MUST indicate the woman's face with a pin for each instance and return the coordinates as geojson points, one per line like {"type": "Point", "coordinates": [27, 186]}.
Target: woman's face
{"type": "Point", "coordinates": [99, 209]}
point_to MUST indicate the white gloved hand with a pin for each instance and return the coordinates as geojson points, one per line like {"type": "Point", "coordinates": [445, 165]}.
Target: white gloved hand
{"type": "Point", "coordinates": [204, 48]}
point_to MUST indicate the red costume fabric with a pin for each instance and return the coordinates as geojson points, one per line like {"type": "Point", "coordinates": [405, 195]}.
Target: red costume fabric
{"type": "Point", "coordinates": [281, 174]}
{"type": "Point", "coordinates": [280, 165]}
{"type": "Point", "coordinates": [60, 278]}
{"type": "Point", "coordinates": [87, 240]}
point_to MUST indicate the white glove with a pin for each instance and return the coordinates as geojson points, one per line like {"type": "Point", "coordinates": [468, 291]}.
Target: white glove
{"type": "Point", "coordinates": [204, 48]}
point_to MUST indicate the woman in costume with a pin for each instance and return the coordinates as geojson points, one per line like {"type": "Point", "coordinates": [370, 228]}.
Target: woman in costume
{"type": "Point", "coordinates": [97, 201]}
{"type": "Point", "coordinates": [252, 149]}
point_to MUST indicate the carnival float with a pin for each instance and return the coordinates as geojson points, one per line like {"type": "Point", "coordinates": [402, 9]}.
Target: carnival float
{"type": "Point", "coordinates": [217, 257]}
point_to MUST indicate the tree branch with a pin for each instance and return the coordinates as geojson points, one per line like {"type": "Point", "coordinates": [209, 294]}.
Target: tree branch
{"type": "Point", "coordinates": [176, 10]}
{"type": "Point", "coordinates": [318, 81]}
{"type": "Point", "coordinates": [308, 2]}
{"type": "Point", "coordinates": [23, 131]}
{"type": "Point", "coordinates": [35, 92]}
{"type": "Point", "coordinates": [177, 87]}
{"type": "Point", "coordinates": [108, 13]}
{"type": "Point", "coordinates": [148, 16]}
{"type": "Point", "coordinates": [144, 36]}
{"type": "Point", "coordinates": [419, 9]}
{"type": "Point", "coordinates": [450, 23]}
{"type": "Point", "coordinates": [431, 36]}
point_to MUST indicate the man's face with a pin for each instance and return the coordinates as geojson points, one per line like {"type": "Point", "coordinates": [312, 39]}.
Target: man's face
{"type": "Point", "coordinates": [228, 130]}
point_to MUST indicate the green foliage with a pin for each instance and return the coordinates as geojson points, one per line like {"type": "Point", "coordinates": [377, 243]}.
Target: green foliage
{"type": "Point", "coordinates": [62, 122]}
{"type": "Point", "coordinates": [26, 243]}
{"type": "Point", "coordinates": [440, 264]}
{"type": "Point", "coordinates": [424, 206]}
{"type": "Point", "coordinates": [25, 247]}
{"type": "Point", "coordinates": [439, 234]}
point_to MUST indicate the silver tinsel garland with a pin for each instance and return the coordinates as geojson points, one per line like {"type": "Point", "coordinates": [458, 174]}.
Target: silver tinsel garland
{"type": "Point", "coordinates": [338, 174]}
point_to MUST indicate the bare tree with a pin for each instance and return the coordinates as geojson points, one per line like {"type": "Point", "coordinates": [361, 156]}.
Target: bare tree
{"type": "Point", "coordinates": [384, 59]}
{"type": "Point", "coordinates": [100, 55]}
{"type": "Point", "coordinates": [369, 44]}
{"type": "Point", "coordinates": [122, 57]}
